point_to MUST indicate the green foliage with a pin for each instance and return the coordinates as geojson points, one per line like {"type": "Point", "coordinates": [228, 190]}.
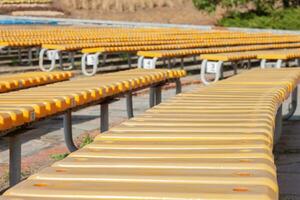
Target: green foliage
{"type": "Point", "coordinates": [263, 13]}
{"type": "Point", "coordinates": [208, 5]}
{"type": "Point", "coordinates": [260, 6]}
{"type": "Point", "coordinates": [86, 140]}
{"type": "Point", "coordinates": [58, 157]}
{"type": "Point", "coordinates": [286, 19]}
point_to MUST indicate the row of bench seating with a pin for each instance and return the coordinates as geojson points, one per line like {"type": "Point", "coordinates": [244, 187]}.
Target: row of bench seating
{"type": "Point", "coordinates": [151, 57]}
{"type": "Point", "coordinates": [94, 53]}
{"type": "Point", "coordinates": [31, 79]}
{"type": "Point", "coordinates": [22, 108]}
{"type": "Point", "coordinates": [213, 63]}
{"type": "Point", "coordinates": [212, 143]}
{"type": "Point", "coordinates": [102, 41]}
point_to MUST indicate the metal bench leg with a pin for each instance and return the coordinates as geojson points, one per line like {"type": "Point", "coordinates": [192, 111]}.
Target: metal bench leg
{"type": "Point", "coordinates": [278, 64]}
{"type": "Point", "coordinates": [15, 148]}
{"type": "Point", "coordinates": [158, 96]}
{"type": "Point", "coordinates": [235, 68]}
{"type": "Point", "coordinates": [41, 61]}
{"type": "Point", "coordinates": [8, 50]}
{"type": "Point", "coordinates": [293, 105]}
{"type": "Point", "coordinates": [249, 64]}
{"type": "Point", "coordinates": [140, 62]}
{"type": "Point", "coordinates": [129, 105]}
{"type": "Point", "coordinates": [68, 132]}
{"type": "Point", "coordinates": [19, 56]}
{"type": "Point", "coordinates": [104, 119]}
{"type": "Point", "coordinates": [37, 52]}
{"type": "Point", "coordinates": [72, 61]}
{"type": "Point", "coordinates": [164, 61]}
{"type": "Point", "coordinates": [84, 65]}
{"type": "Point", "coordinates": [182, 63]}
{"type": "Point", "coordinates": [104, 58]}
{"type": "Point", "coordinates": [30, 56]}
{"type": "Point", "coordinates": [263, 63]}
{"type": "Point", "coordinates": [278, 125]}
{"type": "Point", "coordinates": [178, 86]}
{"type": "Point", "coordinates": [129, 60]}
{"type": "Point", "coordinates": [147, 63]}
{"type": "Point", "coordinates": [152, 96]}
{"type": "Point", "coordinates": [61, 63]}
{"type": "Point", "coordinates": [218, 74]}
{"type": "Point", "coordinates": [169, 63]}
{"type": "Point", "coordinates": [221, 71]}
{"type": "Point", "coordinates": [174, 61]}
{"type": "Point", "coordinates": [298, 62]}
{"type": "Point", "coordinates": [155, 95]}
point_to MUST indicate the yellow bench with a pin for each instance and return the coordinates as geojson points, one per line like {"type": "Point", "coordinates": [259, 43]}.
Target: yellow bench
{"type": "Point", "coordinates": [13, 82]}
{"type": "Point", "coordinates": [24, 107]}
{"type": "Point", "coordinates": [92, 54]}
{"type": "Point", "coordinates": [55, 50]}
{"type": "Point", "coordinates": [213, 63]}
{"type": "Point", "coordinates": [212, 143]}
{"type": "Point", "coordinates": [279, 57]}
{"type": "Point", "coordinates": [73, 39]}
{"type": "Point", "coordinates": [102, 40]}
{"type": "Point", "coordinates": [150, 58]}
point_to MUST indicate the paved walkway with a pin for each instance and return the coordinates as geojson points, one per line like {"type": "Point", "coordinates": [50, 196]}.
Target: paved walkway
{"type": "Point", "coordinates": [287, 155]}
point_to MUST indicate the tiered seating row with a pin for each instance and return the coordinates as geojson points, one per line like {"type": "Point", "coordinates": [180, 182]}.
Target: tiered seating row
{"type": "Point", "coordinates": [217, 60]}
{"type": "Point", "coordinates": [103, 40]}
{"type": "Point", "coordinates": [190, 52]}
{"type": "Point", "coordinates": [153, 56]}
{"type": "Point", "coordinates": [213, 143]}
{"type": "Point", "coordinates": [24, 107]}
{"type": "Point", "coordinates": [58, 97]}
{"type": "Point", "coordinates": [31, 79]}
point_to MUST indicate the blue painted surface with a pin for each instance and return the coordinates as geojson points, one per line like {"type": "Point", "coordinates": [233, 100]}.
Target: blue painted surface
{"type": "Point", "coordinates": [26, 22]}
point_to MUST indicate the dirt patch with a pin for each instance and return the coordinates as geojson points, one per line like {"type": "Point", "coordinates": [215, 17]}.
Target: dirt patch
{"type": "Point", "coordinates": [161, 11]}
{"type": "Point", "coordinates": [7, 8]}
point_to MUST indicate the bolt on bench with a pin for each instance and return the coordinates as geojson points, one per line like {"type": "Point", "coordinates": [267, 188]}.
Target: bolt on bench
{"type": "Point", "coordinates": [22, 108]}
{"type": "Point", "coordinates": [212, 143]}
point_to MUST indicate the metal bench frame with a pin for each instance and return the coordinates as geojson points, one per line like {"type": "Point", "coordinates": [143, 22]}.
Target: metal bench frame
{"type": "Point", "coordinates": [219, 71]}
{"type": "Point", "coordinates": [264, 63]}
{"type": "Point", "coordinates": [170, 61]}
{"type": "Point", "coordinates": [95, 65]}
{"type": "Point", "coordinates": [53, 61]}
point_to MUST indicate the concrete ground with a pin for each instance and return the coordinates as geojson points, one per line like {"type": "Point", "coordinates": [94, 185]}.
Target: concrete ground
{"type": "Point", "coordinates": [46, 139]}
{"type": "Point", "coordinates": [287, 155]}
